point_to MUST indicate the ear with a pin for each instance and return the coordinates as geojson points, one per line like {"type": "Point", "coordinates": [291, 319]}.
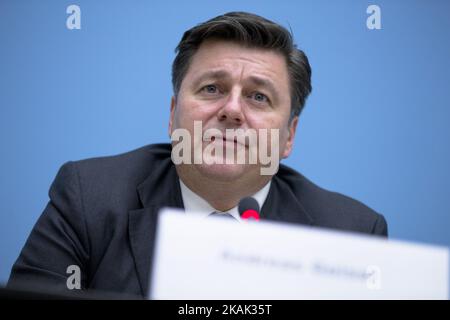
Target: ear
{"type": "Point", "coordinates": [290, 141]}
{"type": "Point", "coordinates": [173, 103]}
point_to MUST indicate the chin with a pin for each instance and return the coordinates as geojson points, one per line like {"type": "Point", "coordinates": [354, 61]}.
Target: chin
{"type": "Point", "coordinates": [223, 172]}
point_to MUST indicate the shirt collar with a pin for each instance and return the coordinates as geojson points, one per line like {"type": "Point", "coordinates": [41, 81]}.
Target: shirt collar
{"type": "Point", "coordinates": [194, 204]}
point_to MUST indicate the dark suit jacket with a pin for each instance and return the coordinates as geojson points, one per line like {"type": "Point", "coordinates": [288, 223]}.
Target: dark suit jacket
{"type": "Point", "coordinates": [102, 212]}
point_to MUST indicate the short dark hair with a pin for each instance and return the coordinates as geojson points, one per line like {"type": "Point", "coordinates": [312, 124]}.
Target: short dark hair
{"type": "Point", "coordinates": [253, 31]}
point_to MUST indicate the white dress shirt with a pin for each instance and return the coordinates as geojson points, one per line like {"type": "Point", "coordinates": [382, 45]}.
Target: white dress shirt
{"type": "Point", "coordinates": [194, 204]}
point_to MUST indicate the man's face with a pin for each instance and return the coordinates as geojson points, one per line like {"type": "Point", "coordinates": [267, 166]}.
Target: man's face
{"type": "Point", "coordinates": [229, 86]}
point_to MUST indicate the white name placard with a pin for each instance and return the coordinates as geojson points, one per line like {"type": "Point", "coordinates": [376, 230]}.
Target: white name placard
{"type": "Point", "coordinates": [219, 258]}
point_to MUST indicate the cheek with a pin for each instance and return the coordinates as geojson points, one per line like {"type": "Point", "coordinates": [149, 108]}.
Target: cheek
{"type": "Point", "coordinates": [284, 136]}
{"type": "Point", "coordinates": [177, 118]}
{"type": "Point", "coordinates": [184, 114]}
{"type": "Point", "coordinates": [265, 121]}
{"type": "Point", "coordinates": [191, 110]}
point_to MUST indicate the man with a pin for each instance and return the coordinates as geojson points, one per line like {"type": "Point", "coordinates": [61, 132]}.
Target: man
{"type": "Point", "coordinates": [236, 71]}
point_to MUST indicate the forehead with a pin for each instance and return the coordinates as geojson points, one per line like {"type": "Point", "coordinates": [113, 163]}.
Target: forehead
{"type": "Point", "coordinates": [239, 61]}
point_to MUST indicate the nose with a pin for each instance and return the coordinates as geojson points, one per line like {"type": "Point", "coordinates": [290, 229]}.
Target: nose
{"type": "Point", "coordinates": [231, 112]}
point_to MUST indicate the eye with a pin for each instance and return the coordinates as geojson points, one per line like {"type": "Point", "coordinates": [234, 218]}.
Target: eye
{"type": "Point", "coordinates": [260, 97]}
{"type": "Point", "coordinates": [210, 88]}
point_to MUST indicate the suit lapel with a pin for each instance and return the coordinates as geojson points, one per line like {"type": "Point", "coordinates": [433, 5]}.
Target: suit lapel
{"type": "Point", "coordinates": [160, 189]}
{"type": "Point", "coordinates": [283, 205]}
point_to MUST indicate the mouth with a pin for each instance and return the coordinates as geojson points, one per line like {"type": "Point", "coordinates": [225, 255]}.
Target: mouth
{"type": "Point", "coordinates": [225, 140]}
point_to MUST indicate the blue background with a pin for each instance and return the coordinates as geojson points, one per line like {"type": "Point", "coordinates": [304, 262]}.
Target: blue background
{"type": "Point", "coordinates": [376, 126]}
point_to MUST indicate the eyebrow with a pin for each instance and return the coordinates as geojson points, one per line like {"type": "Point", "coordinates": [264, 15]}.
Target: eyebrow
{"type": "Point", "coordinates": [222, 74]}
{"type": "Point", "coordinates": [212, 74]}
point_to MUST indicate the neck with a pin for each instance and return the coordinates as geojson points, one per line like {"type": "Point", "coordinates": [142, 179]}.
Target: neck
{"type": "Point", "coordinates": [222, 195]}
